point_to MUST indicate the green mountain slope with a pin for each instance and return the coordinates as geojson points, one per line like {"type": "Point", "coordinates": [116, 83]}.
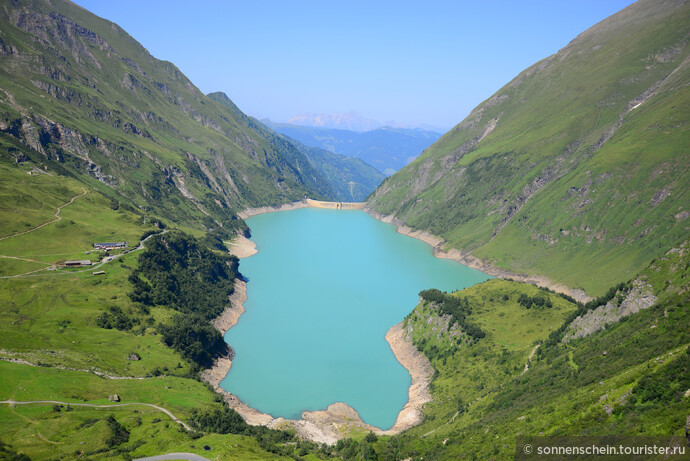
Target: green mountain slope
{"type": "Point", "coordinates": [100, 142]}
{"type": "Point", "coordinates": [338, 170]}
{"type": "Point", "coordinates": [351, 179]}
{"type": "Point", "coordinates": [78, 91]}
{"type": "Point", "coordinates": [578, 169]}
{"type": "Point", "coordinates": [629, 378]}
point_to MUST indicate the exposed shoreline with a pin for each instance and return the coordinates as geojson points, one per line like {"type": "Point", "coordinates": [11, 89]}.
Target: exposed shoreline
{"type": "Point", "coordinates": [330, 425]}
{"type": "Point", "coordinates": [242, 247]}
{"type": "Point", "coordinates": [322, 426]}
{"type": "Point", "coordinates": [244, 214]}
{"type": "Point", "coordinates": [469, 260]}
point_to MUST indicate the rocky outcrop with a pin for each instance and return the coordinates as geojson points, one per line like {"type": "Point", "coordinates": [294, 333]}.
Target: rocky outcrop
{"type": "Point", "coordinates": [623, 304]}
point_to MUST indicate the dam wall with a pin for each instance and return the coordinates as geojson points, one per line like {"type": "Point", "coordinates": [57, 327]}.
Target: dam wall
{"type": "Point", "coordinates": [335, 205]}
{"type": "Point", "coordinates": [306, 203]}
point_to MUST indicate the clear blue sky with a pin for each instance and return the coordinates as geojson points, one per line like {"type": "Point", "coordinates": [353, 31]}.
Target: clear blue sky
{"type": "Point", "coordinates": [414, 62]}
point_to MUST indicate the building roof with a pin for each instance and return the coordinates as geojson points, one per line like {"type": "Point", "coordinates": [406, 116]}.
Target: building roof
{"type": "Point", "coordinates": [83, 262]}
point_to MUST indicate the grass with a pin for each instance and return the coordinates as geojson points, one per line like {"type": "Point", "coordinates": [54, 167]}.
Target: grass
{"type": "Point", "coordinates": [540, 194]}
{"type": "Point", "coordinates": [51, 320]}
{"type": "Point", "coordinates": [466, 373]}
{"type": "Point", "coordinates": [41, 432]}
{"type": "Point", "coordinates": [483, 397]}
{"type": "Point", "coordinates": [88, 219]}
{"type": "Point", "coordinates": [29, 201]}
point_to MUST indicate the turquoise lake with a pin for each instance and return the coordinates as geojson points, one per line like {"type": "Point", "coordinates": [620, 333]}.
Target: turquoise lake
{"type": "Point", "coordinates": [323, 290]}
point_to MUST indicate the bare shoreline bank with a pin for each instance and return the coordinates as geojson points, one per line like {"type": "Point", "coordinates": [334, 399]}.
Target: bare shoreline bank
{"type": "Point", "coordinates": [330, 425]}
{"type": "Point", "coordinates": [469, 260]}
{"type": "Point", "coordinates": [334, 423]}
{"type": "Point", "coordinates": [249, 212]}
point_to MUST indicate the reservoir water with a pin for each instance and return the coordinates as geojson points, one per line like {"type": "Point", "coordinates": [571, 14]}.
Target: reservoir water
{"type": "Point", "coordinates": [324, 288]}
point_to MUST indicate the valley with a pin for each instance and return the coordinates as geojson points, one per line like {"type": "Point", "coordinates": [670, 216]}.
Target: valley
{"type": "Point", "coordinates": [545, 291]}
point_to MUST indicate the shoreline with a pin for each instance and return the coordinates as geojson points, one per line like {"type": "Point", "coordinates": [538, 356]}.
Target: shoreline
{"type": "Point", "coordinates": [242, 247]}
{"type": "Point", "coordinates": [332, 424]}
{"type": "Point", "coordinates": [467, 259]}
{"type": "Point", "coordinates": [421, 372]}
{"type": "Point", "coordinates": [335, 422]}
{"type": "Point", "coordinates": [249, 212]}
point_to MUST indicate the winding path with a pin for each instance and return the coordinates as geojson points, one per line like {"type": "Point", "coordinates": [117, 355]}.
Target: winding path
{"type": "Point", "coordinates": [92, 405]}
{"type": "Point", "coordinates": [57, 217]}
{"type": "Point", "coordinates": [90, 269]}
{"type": "Point", "coordinates": [529, 359]}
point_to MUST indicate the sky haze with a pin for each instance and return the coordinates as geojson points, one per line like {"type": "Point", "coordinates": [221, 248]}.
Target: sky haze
{"type": "Point", "coordinates": [414, 63]}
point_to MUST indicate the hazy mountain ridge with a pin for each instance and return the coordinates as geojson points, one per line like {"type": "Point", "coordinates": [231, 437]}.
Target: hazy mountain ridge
{"type": "Point", "coordinates": [338, 170]}
{"type": "Point", "coordinates": [387, 149]}
{"type": "Point", "coordinates": [577, 168]}
{"type": "Point", "coordinates": [351, 121]}
{"type": "Point", "coordinates": [82, 93]}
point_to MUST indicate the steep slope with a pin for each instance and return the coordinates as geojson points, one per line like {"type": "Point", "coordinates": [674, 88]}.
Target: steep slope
{"type": "Point", "coordinates": [627, 379]}
{"type": "Point", "coordinates": [351, 179]}
{"type": "Point", "coordinates": [80, 93]}
{"type": "Point", "coordinates": [387, 149]}
{"type": "Point", "coordinates": [577, 169]}
{"type": "Point", "coordinates": [338, 170]}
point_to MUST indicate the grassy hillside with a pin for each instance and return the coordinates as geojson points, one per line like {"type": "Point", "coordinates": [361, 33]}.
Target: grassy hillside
{"type": "Point", "coordinates": [81, 97]}
{"type": "Point", "coordinates": [520, 379]}
{"type": "Point", "coordinates": [67, 335]}
{"type": "Point", "coordinates": [578, 168]}
{"type": "Point", "coordinates": [351, 179]}
{"type": "Point", "coordinates": [101, 142]}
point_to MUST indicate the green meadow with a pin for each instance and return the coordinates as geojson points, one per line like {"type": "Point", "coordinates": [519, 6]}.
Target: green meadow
{"type": "Point", "coordinates": [630, 378]}
{"type": "Point", "coordinates": [43, 431]}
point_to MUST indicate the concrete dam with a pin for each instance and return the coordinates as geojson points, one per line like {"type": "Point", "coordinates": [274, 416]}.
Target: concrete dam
{"type": "Point", "coordinates": [335, 205]}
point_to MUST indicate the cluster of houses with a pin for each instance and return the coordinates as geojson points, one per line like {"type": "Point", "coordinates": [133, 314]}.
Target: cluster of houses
{"type": "Point", "coordinates": [98, 246]}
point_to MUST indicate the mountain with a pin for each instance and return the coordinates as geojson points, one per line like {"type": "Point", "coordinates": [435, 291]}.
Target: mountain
{"type": "Point", "coordinates": [578, 169]}
{"type": "Point", "coordinates": [351, 121]}
{"type": "Point", "coordinates": [626, 374]}
{"type": "Point", "coordinates": [81, 97]}
{"type": "Point", "coordinates": [101, 142]}
{"type": "Point", "coordinates": [349, 178]}
{"type": "Point", "coordinates": [387, 149]}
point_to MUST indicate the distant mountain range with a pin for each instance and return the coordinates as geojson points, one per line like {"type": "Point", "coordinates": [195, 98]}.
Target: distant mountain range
{"type": "Point", "coordinates": [349, 178]}
{"type": "Point", "coordinates": [385, 148]}
{"type": "Point", "coordinates": [578, 169]}
{"type": "Point", "coordinates": [351, 121]}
